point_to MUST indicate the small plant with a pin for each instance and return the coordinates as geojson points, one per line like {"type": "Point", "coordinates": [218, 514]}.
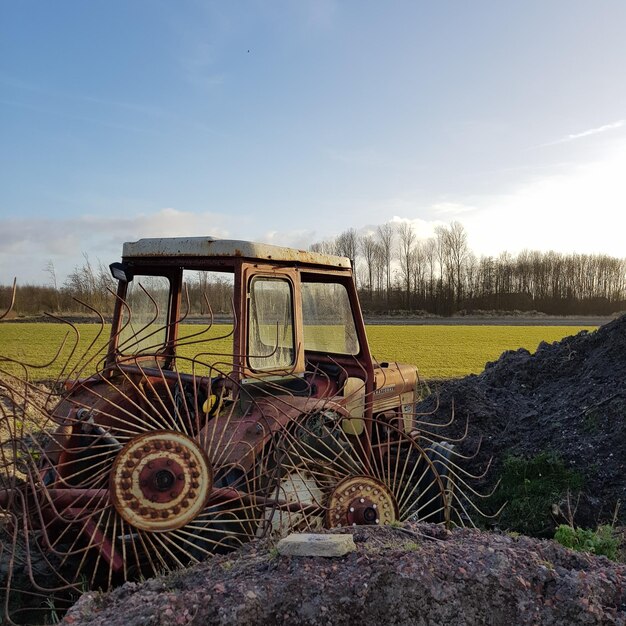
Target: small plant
{"type": "Point", "coordinates": [53, 613]}
{"type": "Point", "coordinates": [423, 389]}
{"type": "Point", "coordinates": [529, 488]}
{"type": "Point", "coordinates": [601, 541]}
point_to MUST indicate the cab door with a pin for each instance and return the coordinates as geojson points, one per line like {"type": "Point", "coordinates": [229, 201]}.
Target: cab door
{"type": "Point", "coordinates": [273, 322]}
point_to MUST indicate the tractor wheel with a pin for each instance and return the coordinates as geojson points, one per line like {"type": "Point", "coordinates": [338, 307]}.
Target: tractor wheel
{"type": "Point", "coordinates": [131, 482]}
{"type": "Point", "coordinates": [326, 476]}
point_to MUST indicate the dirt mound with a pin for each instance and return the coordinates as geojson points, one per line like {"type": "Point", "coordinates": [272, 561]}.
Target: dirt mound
{"type": "Point", "coordinates": [419, 574]}
{"type": "Point", "coordinates": [568, 398]}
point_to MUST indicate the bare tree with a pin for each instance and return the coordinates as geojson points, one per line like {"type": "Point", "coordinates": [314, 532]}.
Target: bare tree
{"type": "Point", "coordinates": [367, 245]}
{"type": "Point", "coordinates": [385, 233]}
{"type": "Point", "coordinates": [93, 287]}
{"type": "Point", "coordinates": [323, 247]}
{"type": "Point", "coordinates": [459, 252]}
{"type": "Point", "coordinates": [418, 272]}
{"type": "Point", "coordinates": [430, 259]}
{"type": "Point", "coordinates": [347, 244]}
{"type": "Point", "coordinates": [51, 271]}
{"type": "Point", "coordinates": [407, 242]}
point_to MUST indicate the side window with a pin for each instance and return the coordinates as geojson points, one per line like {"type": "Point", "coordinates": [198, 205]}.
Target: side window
{"type": "Point", "coordinates": [270, 324]}
{"type": "Point", "coordinates": [327, 316]}
{"type": "Point", "coordinates": [144, 318]}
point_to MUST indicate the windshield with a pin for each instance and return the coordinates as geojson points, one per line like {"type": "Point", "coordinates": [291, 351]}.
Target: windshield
{"type": "Point", "coordinates": [327, 318]}
{"type": "Point", "coordinates": [205, 320]}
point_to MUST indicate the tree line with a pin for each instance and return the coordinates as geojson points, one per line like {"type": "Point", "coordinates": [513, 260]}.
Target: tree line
{"type": "Point", "coordinates": [396, 271]}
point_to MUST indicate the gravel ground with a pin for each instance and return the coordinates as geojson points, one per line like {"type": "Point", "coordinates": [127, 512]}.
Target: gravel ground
{"type": "Point", "coordinates": [418, 574]}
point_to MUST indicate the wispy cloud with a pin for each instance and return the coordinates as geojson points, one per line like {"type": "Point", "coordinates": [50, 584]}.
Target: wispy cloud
{"type": "Point", "coordinates": [595, 131]}
{"type": "Point", "coordinates": [586, 133]}
{"type": "Point", "coordinates": [47, 92]}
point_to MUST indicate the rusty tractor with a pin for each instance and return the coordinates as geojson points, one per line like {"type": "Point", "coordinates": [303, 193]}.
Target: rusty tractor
{"type": "Point", "coordinates": [176, 438]}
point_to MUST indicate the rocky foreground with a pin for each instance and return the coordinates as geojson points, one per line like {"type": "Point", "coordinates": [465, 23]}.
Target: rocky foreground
{"type": "Point", "coordinates": [417, 574]}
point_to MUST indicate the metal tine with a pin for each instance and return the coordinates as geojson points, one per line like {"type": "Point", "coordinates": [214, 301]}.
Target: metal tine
{"type": "Point", "coordinates": [182, 341]}
{"type": "Point", "coordinates": [126, 318]}
{"type": "Point", "coordinates": [149, 418]}
{"type": "Point", "coordinates": [456, 496]}
{"type": "Point", "coordinates": [348, 463]}
{"type": "Point", "coordinates": [466, 457]}
{"type": "Point", "coordinates": [28, 546]}
{"type": "Point", "coordinates": [11, 301]}
{"type": "Point", "coordinates": [451, 439]}
{"type": "Point", "coordinates": [462, 471]}
{"type": "Point", "coordinates": [141, 335]}
{"type": "Point", "coordinates": [436, 424]}
{"type": "Point", "coordinates": [83, 361]}
{"type": "Point", "coordinates": [136, 333]}
{"type": "Point", "coordinates": [467, 488]}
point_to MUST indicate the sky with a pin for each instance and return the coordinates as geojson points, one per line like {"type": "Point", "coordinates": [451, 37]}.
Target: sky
{"type": "Point", "coordinates": [291, 121]}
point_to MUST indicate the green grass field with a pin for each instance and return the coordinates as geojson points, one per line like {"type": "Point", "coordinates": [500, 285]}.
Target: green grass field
{"type": "Point", "coordinates": [438, 351]}
{"type": "Point", "coordinates": [454, 351]}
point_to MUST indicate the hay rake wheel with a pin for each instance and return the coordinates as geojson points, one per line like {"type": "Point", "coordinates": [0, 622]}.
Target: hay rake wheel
{"type": "Point", "coordinates": [128, 473]}
{"type": "Point", "coordinates": [328, 476]}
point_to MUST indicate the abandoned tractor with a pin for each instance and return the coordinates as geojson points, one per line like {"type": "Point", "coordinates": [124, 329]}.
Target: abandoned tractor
{"type": "Point", "coordinates": [185, 438]}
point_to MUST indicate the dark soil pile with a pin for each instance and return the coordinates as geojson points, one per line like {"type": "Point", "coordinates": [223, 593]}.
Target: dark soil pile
{"type": "Point", "coordinates": [568, 398]}
{"type": "Point", "coordinates": [420, 574]}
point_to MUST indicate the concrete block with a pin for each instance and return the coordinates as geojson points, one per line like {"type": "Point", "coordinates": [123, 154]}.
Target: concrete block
{"type": "Point", "coordinates": [309, 544]}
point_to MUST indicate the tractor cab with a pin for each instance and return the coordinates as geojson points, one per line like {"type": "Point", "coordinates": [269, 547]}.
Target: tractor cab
{"type": "Point", "coordinates": [258, 317]}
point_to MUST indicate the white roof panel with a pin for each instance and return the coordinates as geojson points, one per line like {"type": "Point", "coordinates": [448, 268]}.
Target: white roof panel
{"type": "Point", "coordinates": [211, 247]}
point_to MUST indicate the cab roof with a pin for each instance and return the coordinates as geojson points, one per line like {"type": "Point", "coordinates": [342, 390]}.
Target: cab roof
{"type": "Point", "coordinates": [210, 247]}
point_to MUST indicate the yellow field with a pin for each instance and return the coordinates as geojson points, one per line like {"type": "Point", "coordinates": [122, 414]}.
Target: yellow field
{"type": "Point", "coordinates": [438, 351]}
{"type": "Point", "coordinates": [454, 351]}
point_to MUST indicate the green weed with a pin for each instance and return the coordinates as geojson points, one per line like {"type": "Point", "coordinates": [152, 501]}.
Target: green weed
{"type": "Point", "coordinates": [601, 541]}
{"type": "Point", "coordinates": [530, 487]}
